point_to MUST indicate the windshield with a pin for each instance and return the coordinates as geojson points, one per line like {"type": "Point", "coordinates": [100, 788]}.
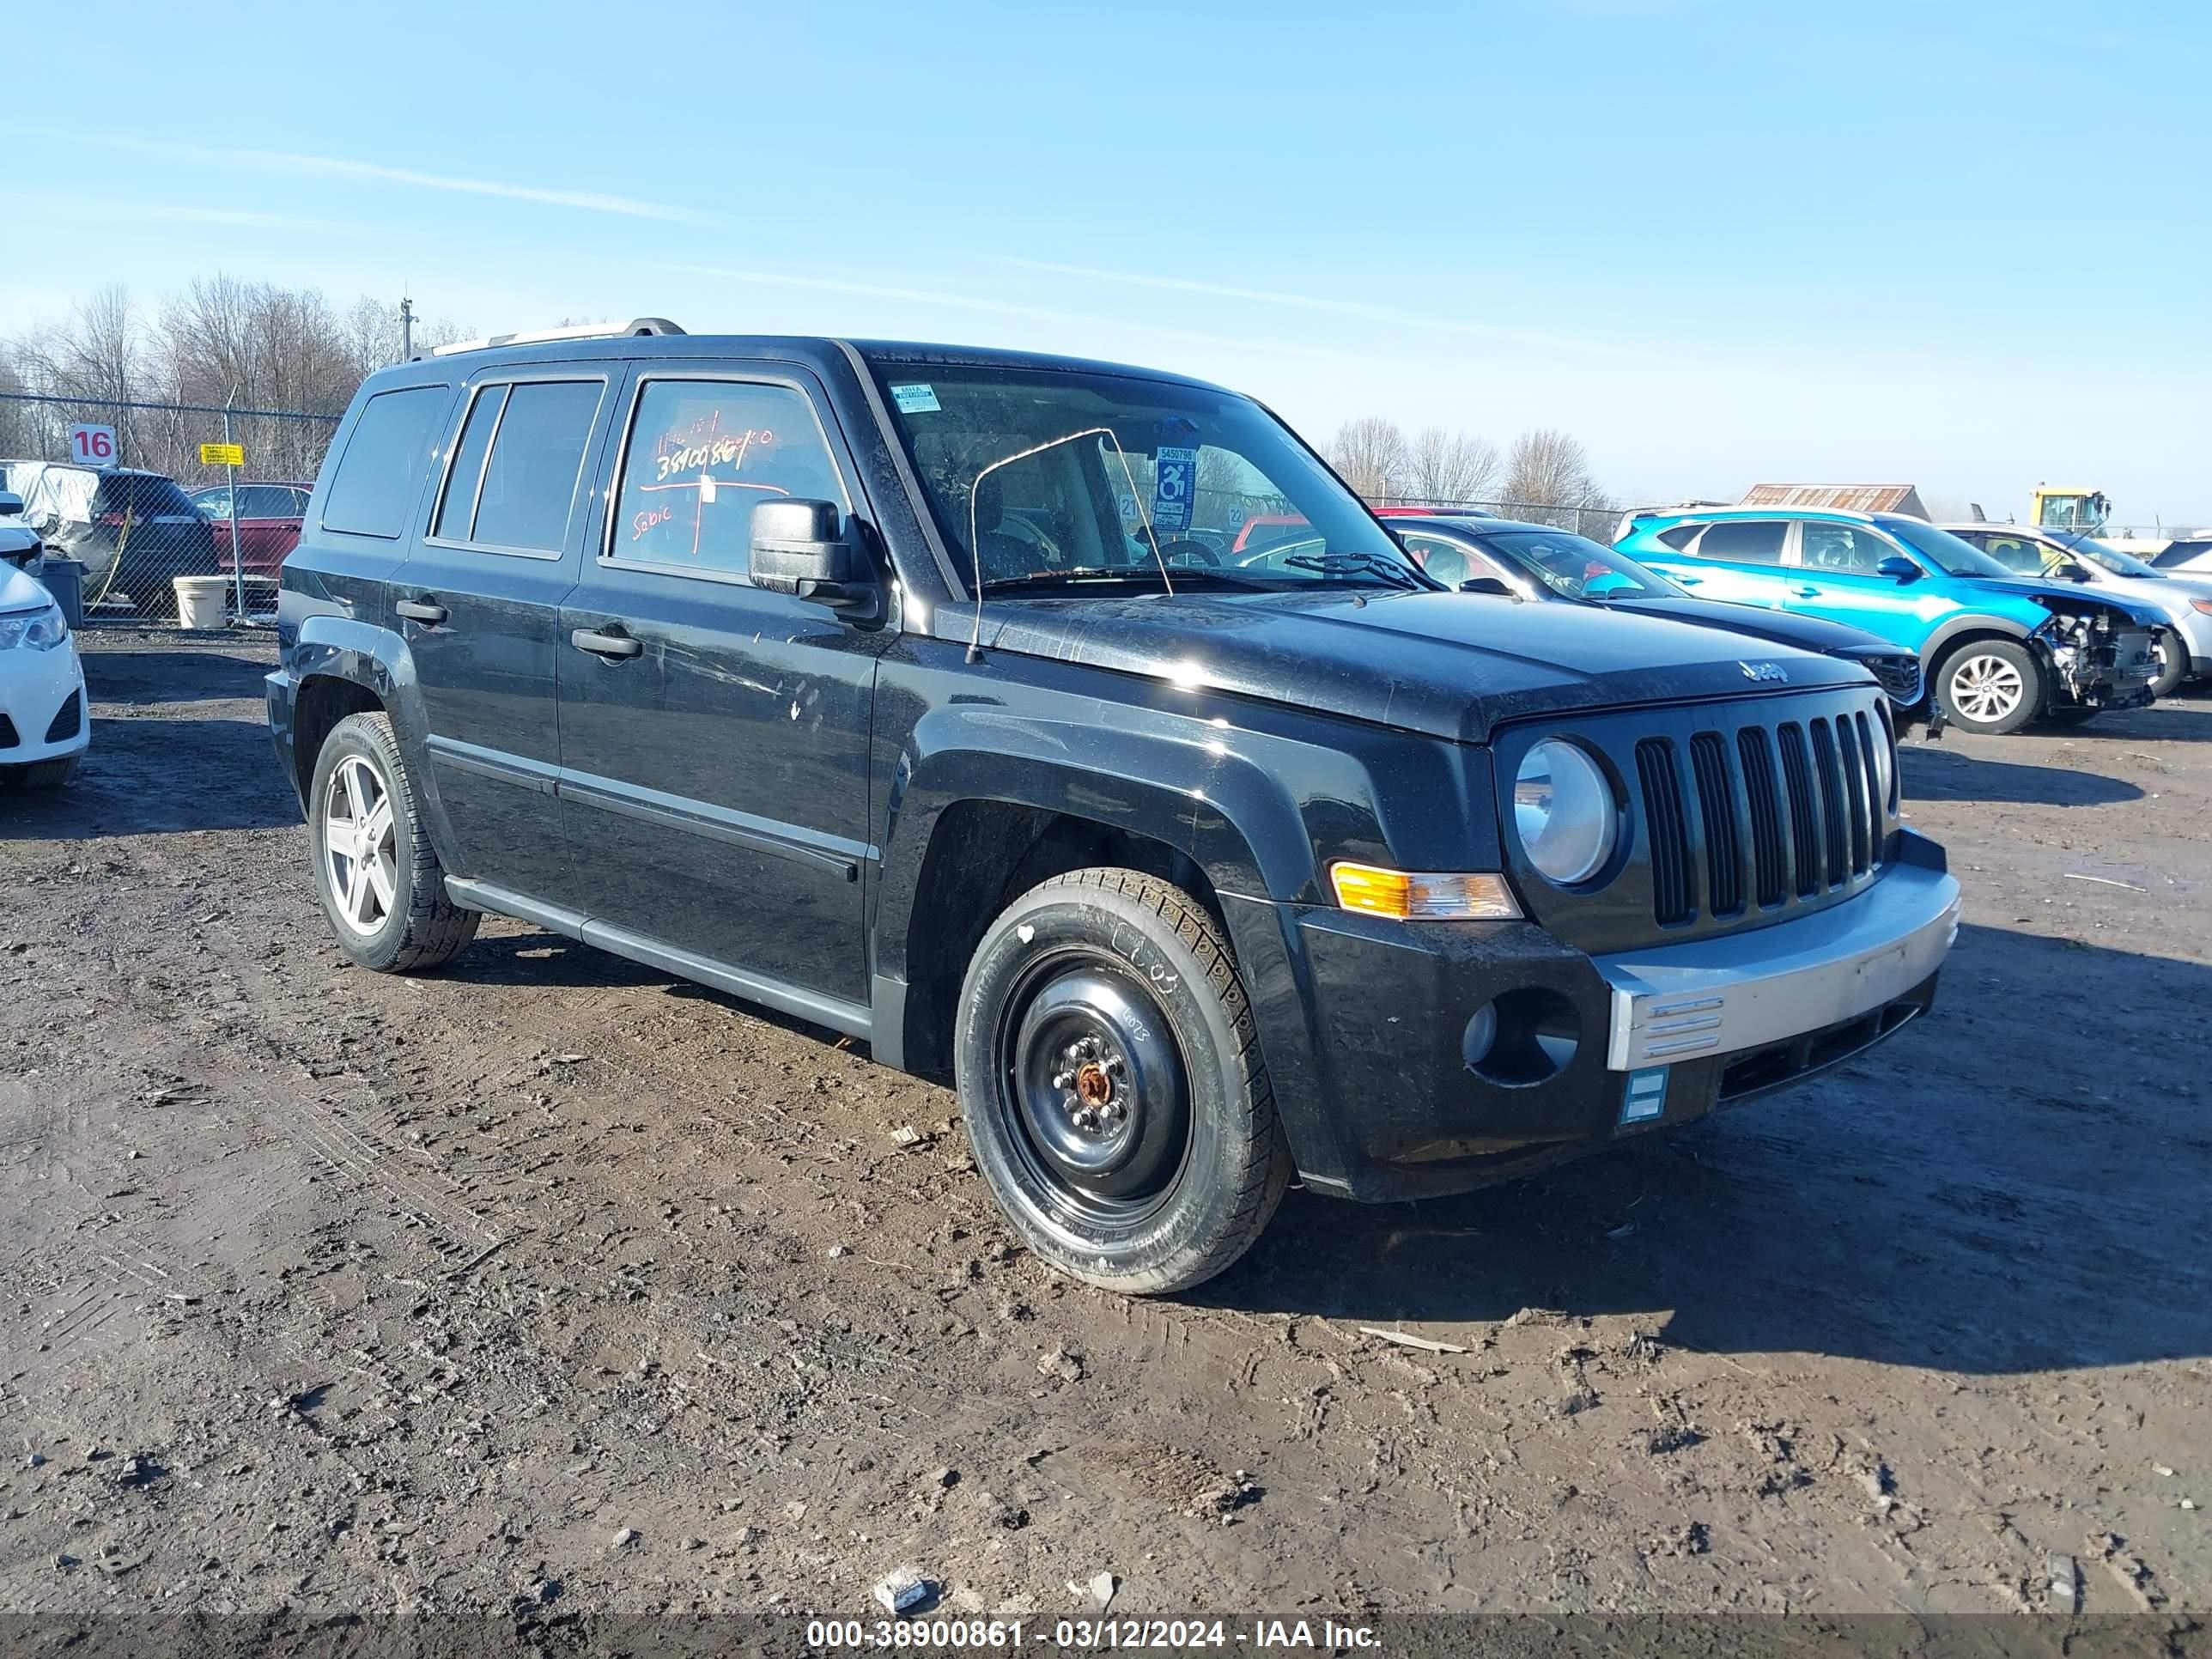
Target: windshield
{"type": "Point", "coordinates": [2119, 563]}
{"type": "Point", "coordinates": [1944, 550]}
{"type": "Point", "coordinates": [1578, 567]}
{"type": "Point", "coordinates": [1040, 477]}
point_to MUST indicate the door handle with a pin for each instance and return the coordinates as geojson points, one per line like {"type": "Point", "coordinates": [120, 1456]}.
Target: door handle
{"type": "Point", "coordinates": [424, 610]}
{"type": "Point", "coordinates": [1805, 593]}
{"type": "Point", "coordinates": [1690, 581]}
{"type": "Point", "coordinates": [610, 646]}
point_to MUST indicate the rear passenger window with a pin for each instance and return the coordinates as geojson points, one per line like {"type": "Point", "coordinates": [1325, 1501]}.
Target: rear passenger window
{"type": "Point", "coordinates": [377, 477]}
{"type": "Point", "coordinates": [1754, 541]}
{"type": "Point", "coordinates": [266, 501]}
{"type": "Point", "coordinates": [700, 455]}
{"type": "Point", "coordinates": [466, 472]}
{"type": "Point", "coordinates": [1680, 536]}
{"type": "Point", "coordinates": [538, 434]}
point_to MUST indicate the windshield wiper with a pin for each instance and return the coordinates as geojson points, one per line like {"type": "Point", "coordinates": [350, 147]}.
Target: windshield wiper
{"type": "Point", "coordinates": [1076, 572]}
{"type": "Point", "coordinates": [1185, 575]}
{"type": "Point", "coordinates": [1354, 564]}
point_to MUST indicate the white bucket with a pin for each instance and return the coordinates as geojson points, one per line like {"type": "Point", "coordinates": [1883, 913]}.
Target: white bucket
{"type": "Point", "coordinates": [200, 600]}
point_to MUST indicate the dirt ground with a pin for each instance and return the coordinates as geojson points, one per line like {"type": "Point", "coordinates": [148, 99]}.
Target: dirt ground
{"type": "Point", "coordinates": [548, 1279]}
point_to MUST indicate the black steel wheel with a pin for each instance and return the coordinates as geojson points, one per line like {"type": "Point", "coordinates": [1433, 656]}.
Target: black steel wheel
{"type": "Point", "coordinates": [1109, 1074]}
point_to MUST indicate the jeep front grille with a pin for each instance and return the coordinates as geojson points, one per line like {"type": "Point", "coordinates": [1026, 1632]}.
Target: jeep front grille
{"type": "Point", "coordinates": [1669, 831]}
{"type": "Point", "coordinates": [1801, 829]}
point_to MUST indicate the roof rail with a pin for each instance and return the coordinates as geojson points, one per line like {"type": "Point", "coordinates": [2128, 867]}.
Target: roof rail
{"type": "Point", "coordinates": [636, 325]}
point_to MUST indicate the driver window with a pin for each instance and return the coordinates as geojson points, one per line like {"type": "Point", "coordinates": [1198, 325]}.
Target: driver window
{"type": "Point", "coordinates": [1848, 549]}
{"type": "Point", "coordinates": [2015, 554]}
{"type": "Point", "coordinates": [1447, 562]}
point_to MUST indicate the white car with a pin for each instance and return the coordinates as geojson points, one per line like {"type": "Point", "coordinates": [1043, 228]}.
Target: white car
{"type": "Point", "coordinates": [44, 721]}
{"type": "Point", "coordinates": [2184, 645]}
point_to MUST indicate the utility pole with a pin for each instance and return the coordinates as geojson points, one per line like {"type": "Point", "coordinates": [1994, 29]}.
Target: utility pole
{"type": "Point", "coordinates": [406, 330]}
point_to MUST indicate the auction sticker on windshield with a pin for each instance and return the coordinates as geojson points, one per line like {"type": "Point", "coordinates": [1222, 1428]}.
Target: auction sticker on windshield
{"type": "Point", "coordinates": [1175, 474]}
{"type": "Point", "coordinates": [915, 400]}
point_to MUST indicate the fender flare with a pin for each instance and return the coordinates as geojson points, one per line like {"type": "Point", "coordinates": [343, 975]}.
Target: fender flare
{"type": "Point", "coordinates": [1958, 628]}
{"type": "Point", "coordinates": [1231, 817]}
{"type": "Point", "coordinates": [378, 661]}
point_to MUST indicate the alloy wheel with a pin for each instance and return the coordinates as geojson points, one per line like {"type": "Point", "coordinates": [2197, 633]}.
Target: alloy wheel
{"type": "Point", "coordinates": [359, 849]}
{"type": "Point", "coordinates": [1986, 688]}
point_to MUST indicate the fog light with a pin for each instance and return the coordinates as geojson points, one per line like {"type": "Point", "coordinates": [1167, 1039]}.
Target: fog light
{"type": "Point", "coordinates": [1481, 1036]}
{"type": "Point", "coordinates": [1529, 1035]}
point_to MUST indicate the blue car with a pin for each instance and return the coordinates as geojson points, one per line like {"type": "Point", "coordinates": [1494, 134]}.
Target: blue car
{"type": "Point", "coordinates": [1999, 651]}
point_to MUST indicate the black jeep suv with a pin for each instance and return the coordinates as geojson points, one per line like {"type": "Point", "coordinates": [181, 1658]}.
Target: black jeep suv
{"type": "Point", "coordinates": [908, 690]}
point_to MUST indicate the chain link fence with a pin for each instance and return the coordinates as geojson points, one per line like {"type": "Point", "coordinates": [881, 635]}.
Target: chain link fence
{"type": "Point", "coordinates": [139, 494]}
{"type": "Point", "coordinates": [1597, 522]}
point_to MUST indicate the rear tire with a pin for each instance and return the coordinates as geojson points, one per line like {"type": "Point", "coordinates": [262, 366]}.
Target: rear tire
{"type": "Point", "coordinates": [1991, 686]}
{"type": "Point", "coordinates": [382, 888]}
{"type": "Point", "coordinates": [1109, 1069]}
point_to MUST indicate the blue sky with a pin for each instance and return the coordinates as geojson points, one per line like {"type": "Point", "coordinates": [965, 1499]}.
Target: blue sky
{"type": "Point", "coordinates": [1967, 245]}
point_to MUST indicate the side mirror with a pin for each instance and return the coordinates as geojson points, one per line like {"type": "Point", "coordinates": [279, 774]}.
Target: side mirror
{"type": "Point", "coordinates": [1899, 569]}
{"type": "Point", "coordinates": [11, 504]}
{"type": "Point", "coordinates": [1487, 584]}
{"type": "Point", "coordinates": [798, 549]}
{"type": "Point", "coordinates": [2072, 571]}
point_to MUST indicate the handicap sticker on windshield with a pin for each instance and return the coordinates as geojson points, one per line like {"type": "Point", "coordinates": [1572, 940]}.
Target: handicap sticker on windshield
{"type": "Point", "coordinates": [915, 400]}
{"type": "Point", "coordinates": [1174, 476]}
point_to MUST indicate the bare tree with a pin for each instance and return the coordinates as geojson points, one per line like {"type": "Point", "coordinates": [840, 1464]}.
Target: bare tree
{"type": "Point", "coordinates": [1449, 466]}
{"type": "Point", "coordinates": [19, 422]}
{"type": "Point", "coordinates": [1370, 453]}
{"type": "Point", "coordinates": [221, 341]}
{"type": "Point", "coordinates": [1548, 477]}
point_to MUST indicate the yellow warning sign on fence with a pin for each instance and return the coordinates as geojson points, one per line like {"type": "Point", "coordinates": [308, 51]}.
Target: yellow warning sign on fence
{"type": "Point", "coordinates": [223, 454]}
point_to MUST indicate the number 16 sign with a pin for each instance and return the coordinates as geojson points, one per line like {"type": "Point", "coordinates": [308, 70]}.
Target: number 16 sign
{"type": "Point", "coordinates": [93, 445]}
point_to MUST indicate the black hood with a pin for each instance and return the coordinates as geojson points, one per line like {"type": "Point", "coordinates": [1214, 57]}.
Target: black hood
{"type": "Point", "coordinates": [1453, 666]}
{"type": "Point", "coordinates": [1782, 627]}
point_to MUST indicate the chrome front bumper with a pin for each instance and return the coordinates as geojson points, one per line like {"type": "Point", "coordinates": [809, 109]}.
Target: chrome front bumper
{"type": "Point", "coordinates": [1723, 995]}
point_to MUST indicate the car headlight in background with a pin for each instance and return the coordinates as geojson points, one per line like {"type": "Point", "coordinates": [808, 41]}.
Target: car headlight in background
{"type": "Point", "coordinates": [1421, 896]}
{"type": "Point", "coordinates": [2205, 606]}
{"type": "Point", "coordinates": [41, 631]}
{"type": "Point", "coordinates": [1564, 813]}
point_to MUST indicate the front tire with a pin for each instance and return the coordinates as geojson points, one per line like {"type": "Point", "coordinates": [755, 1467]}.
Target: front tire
{"type": "Point", "coordinates": [1109, 1069]}
{"type": "Point", "coordinates": [382, 888]}
{"type": "Point", "coordinates": [1991, 686]}
{"type": "Point", "coordinates": [42, 774]}
{"type": "Point", "coordinates": [2173, 662]}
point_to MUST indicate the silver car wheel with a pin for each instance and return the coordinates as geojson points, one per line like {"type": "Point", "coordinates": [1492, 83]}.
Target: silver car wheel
{"type": "Point", "coordinates": [360, 852]}
{"type": "Point", "coordinates": [1985, 689]}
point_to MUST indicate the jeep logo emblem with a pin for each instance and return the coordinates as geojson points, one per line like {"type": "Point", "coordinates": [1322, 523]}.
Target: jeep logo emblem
{"type": "Point", "coordinates": [1764, 672]}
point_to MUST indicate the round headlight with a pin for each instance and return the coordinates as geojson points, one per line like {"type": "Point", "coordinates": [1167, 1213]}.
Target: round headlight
{"type": "Point", "coordinates": [1563, 811]}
